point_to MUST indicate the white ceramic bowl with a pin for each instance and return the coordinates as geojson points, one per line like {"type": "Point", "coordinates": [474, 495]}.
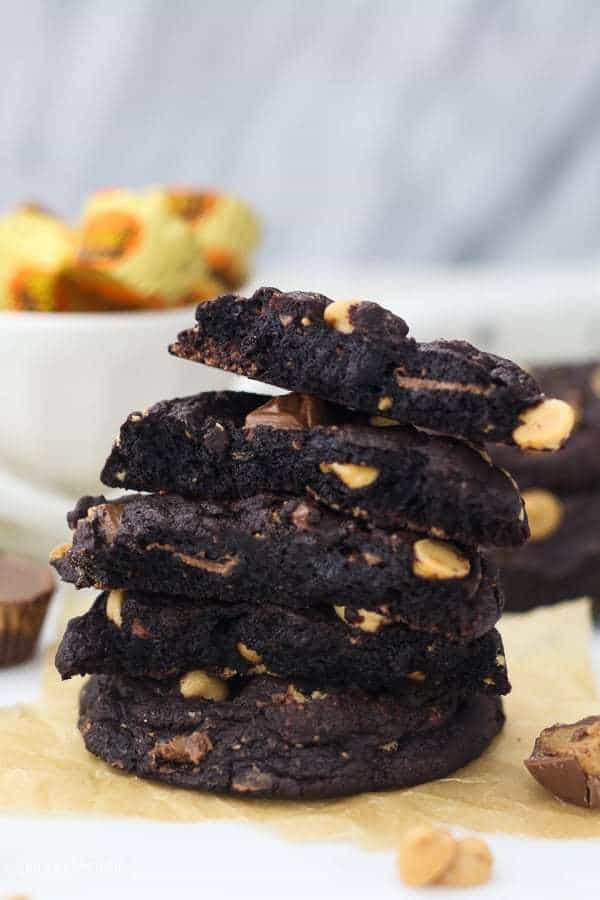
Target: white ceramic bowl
{"type": "Point", "coordinates": [67, 381]}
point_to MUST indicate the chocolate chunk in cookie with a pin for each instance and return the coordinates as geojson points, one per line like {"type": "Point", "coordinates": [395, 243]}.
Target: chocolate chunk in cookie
{"type": "Point", "coordinates": [360, 356]}
{"type": "Point", "coordinates": [224, 445]}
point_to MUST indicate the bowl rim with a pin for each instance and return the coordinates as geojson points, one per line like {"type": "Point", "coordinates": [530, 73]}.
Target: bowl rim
{"type": "Point", "coordinates": [95, 320]}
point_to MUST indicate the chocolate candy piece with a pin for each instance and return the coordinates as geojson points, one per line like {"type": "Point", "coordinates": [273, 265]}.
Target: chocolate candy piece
{"type": "Point", "coordinates": [273, 738]}
{"type": "Point", "coordinates": [293, 411]}
{"type": "Point", "coordinates": [566, 761]}
{"type": "Point", "coordinates": [223, 445]}
{"type": "Point", "coordinates": [26, 588]}
{"type": "Point", "coordinates": [252, 549]}
{"type": "Point", "coordinates": [154, 635]}
{"type": "Point", "coordinates": [360, 356]}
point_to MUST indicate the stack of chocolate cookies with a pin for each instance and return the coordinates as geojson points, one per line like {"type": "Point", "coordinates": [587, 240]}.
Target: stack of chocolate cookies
{"type": "Point", "coordinates": [298, 605]}
{"type": "Point", "coordinates": [562, 497]}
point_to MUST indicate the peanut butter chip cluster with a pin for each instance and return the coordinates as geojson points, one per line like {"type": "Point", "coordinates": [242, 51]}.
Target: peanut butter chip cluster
{"type": "Point", "coordinates": [430, 856]}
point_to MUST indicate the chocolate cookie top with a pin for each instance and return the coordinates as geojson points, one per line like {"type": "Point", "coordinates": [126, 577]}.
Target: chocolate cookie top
{"type": "Point", "coordinates": [265, 737]}
{"type": "Point", "coordinates": [273, 545]}
{"type": "Point", "coordinates": [360, 356]}
{"type": "Point", "coordinates": [224, 445]}
{"type": "Point", "coordinates": [577, 466]}
{"type": "Point", "coordinates": [157, 636]}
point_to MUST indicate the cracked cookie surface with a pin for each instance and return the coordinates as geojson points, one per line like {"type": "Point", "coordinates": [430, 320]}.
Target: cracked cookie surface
{"type": "Point", "coordinates": [272, 739]}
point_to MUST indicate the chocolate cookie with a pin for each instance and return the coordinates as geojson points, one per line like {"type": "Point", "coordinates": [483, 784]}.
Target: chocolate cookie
{"type": "Point", "coordinates": [265, 737]}
{"type": "Point", "coordinates": [273, 546]}
{"type": "Point", "coordinates": [577, 466]}
{"type": "Point", "coordinates": [226, 445]}
{"type": "Point", "coordinates": [562, 561]}
{"type": "Point", "coordinates": [149, 635]}
{"type": "Point", "coordinates": [360, 356]}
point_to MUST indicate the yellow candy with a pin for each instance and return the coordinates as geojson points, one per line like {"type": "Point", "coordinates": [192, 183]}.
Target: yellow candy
{"type": "Point", "coordinates": [135, 251]}
{"type": "Point", "coordinates": [35, 249]}
{"type": "Point", "coordinates": [226, 230]}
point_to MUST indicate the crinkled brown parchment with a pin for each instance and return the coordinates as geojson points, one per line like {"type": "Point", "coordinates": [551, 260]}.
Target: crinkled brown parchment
{"type": "Point", "coordinates": [45, 769]}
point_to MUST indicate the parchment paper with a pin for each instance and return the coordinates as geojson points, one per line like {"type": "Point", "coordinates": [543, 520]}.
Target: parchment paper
{"type": "Point", "coordinates": [45, 769]}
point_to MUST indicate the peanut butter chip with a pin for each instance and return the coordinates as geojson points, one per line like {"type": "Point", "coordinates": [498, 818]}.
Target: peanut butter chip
{"type": "Point", "coordinates": [383, 422]}
{"type": "Point", "coordinates": [595, 381]}
{"type": "Point", "coordinates": [250, 655]}
{"type": "Point", "coordinates": [201, 684]}
{"type": "Point", "coordinates": [367, 619]}
{"type": "Point", "coordinates": [424, 855]}
{"type": "Point", "coordinates": [353, 475]}
{"type": "Point", "coordinates": [221, 566]}
{"type": "Point", "coordinates": [296, 695]}
{"type": "Point", "coordinates": [337, 315]}
{"type": "Point", "coordinates": [435, 559]}
{"type": "Point", "coordinates": [340, 612]}
{"type": "Point", "coordinates": [59, 552]}
{"type": "Point", "coordinates": [545, 426]}
{"type": "Point", "coordinates": [384, 403]}
{"type": "Point", "coordinates": [434, 856]}
{"type": "Point", "coordinates": [370, 621]}
{"type": "Point", "coordinates": [114, 604]}
{"type": "Point", "coordinates": [472, 864]}
{"type": "Point", "coordinates": [544, 511]}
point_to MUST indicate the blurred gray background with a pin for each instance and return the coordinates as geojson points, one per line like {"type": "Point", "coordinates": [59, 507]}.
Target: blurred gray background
{"type": "Point", "coordinates": [373, 132]}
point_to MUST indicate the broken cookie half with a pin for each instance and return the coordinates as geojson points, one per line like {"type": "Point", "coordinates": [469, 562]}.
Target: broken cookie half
{"type": "Point", "coordinates": [566, 761]}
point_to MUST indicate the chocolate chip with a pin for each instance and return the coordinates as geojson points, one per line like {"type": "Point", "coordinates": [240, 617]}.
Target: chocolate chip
{"type": "Point", "coordinates": [291, 411]}
{"type": "Point", "coordinates": [216, 438]}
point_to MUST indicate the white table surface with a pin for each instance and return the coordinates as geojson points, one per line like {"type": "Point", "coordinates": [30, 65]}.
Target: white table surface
{"type": "Point", "coordinates": [63, 857]}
